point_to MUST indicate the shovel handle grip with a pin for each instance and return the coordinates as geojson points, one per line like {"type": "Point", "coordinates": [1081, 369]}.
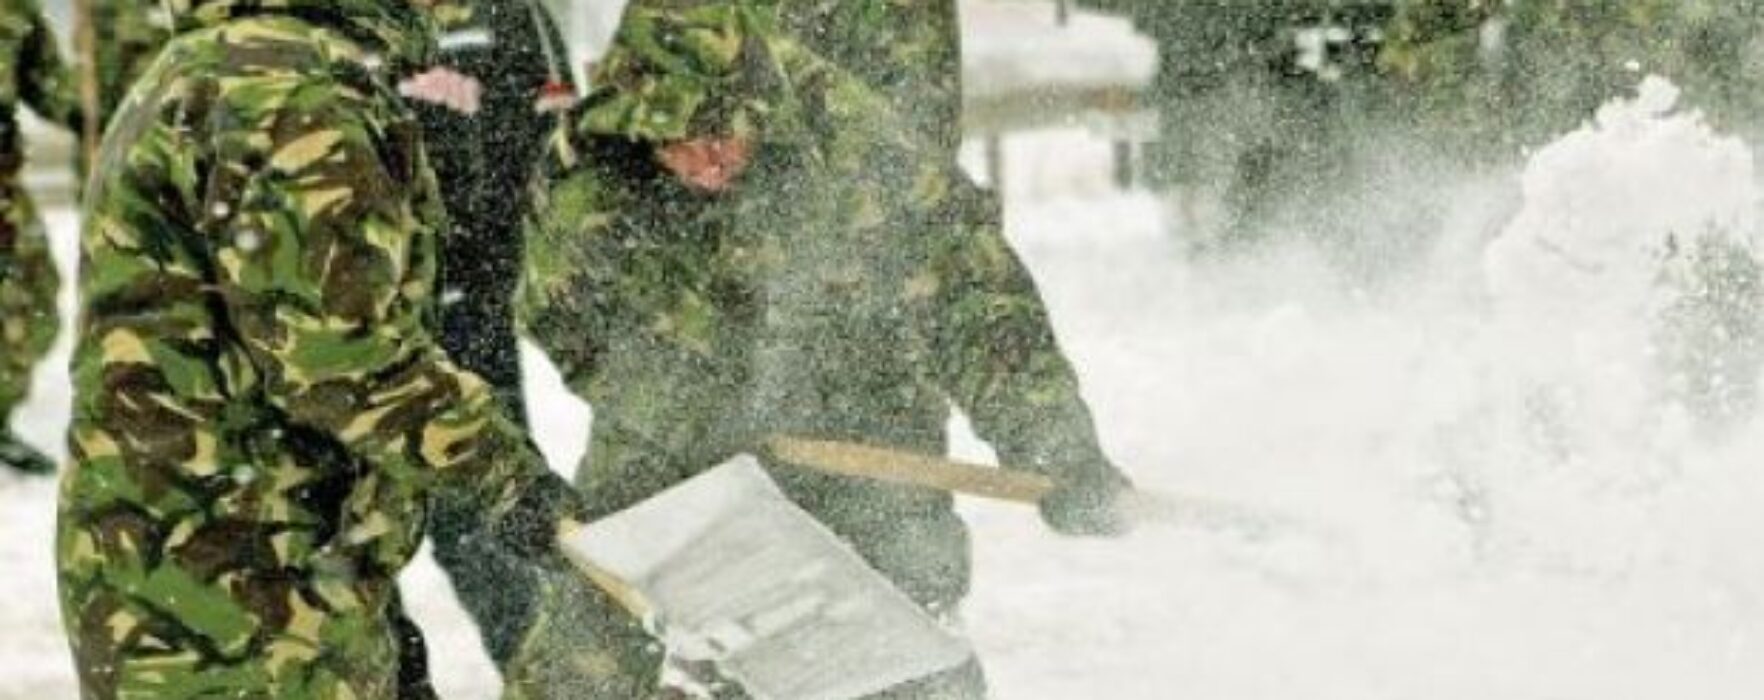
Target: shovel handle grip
{"type": "Point", "coordinates": [623, 593]}
{"type": "Point", "coordinates": [911, 469]}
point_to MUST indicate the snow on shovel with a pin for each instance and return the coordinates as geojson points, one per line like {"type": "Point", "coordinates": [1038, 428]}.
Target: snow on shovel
{"type": "Point", "coordinates": [1016, 486]}
{"type": "Point", "coordinates": [727, 571]}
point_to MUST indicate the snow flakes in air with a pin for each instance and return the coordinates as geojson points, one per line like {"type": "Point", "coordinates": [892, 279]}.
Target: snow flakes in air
{"type": "Point", "coordinates": [248, 240]}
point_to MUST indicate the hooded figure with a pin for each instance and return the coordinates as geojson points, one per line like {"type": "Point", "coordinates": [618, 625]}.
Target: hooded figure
{"type": "Point", "coordinates": [842, 283]}
{"type": "Point", "coordinates": [31, 74]}
{"type": "Point", "coordinates": [262, 416]}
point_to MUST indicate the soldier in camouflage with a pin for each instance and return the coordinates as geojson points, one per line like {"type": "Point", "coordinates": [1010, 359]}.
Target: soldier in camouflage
{"type": "Point", "coordinates": [31, 74]}
{"type": "Point", "coordinates": [749, 241]}
{"type": "Point", "coordinates": [262, 416]}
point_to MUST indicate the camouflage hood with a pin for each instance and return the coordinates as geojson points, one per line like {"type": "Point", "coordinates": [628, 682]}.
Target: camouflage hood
{"type": "Point", "coordinates": [680, 69]}
{"type": "Point", "coordinates": [397, 27]}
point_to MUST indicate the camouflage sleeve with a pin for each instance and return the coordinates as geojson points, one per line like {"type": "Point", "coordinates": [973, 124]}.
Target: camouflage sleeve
{"type": "Point", "coordinates": [45, 83]}
{"type": "Point", "coordinates": [565, 287]}
{"type": "Point", "coordinates": [993, 346]}
{"type": "Point", "coordinates": [327, 277]}
{"type": "Point", "coordinates": [601, 238]}
{"type": "Point", "coordinates": [994, 349]}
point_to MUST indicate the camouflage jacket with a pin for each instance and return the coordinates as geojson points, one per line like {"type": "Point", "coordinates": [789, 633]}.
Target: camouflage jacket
{"type": "Point", "coordinates": [852, 286]}
{"type": "Point", "coordinates": [261, 414]}
{"type": "Point", "coordinates": [127, 36]}
{"type": "Point", "coordinates": [32, 74]}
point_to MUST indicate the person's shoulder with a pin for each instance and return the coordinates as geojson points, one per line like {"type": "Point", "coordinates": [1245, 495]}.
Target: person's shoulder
{"type": "Point", "coordinates": [283, 51]}
{"type": "Point", "coordinates": [284, 96]}
{"type": "Point", "coordinates": [287, 71]}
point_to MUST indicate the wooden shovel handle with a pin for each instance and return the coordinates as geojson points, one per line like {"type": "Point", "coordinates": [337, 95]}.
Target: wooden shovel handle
{"type": "Point", "coordinates": [91, 126]}
{"type": "Point", "coordinates": [911, 469]}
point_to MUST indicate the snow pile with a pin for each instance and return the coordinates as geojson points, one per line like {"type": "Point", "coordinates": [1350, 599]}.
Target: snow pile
{"type": "Point", "coordinates": [1604, 204]}
{"type": "Point", "coordinates": [1580, 278]}
{"type": "Point", "coordinates": [1624, 296]}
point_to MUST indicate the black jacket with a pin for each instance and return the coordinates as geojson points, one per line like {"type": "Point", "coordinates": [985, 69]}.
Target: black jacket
{"type": "Point", "coordinates": [486, 163]}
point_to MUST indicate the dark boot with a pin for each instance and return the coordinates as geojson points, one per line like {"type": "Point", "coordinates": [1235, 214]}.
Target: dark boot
{"type": "Point", "coordinates": [20, 457]}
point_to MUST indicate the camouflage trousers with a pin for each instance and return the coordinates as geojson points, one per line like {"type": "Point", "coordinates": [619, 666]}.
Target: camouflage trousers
{"type": "Point", "coordinates": [141, 632]}
{"type": "Point", "coordinates": [28, 285]}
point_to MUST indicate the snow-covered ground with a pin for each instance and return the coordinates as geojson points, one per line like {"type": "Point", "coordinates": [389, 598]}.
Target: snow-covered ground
{"type": "Point", "coordinates": [1417, 547]}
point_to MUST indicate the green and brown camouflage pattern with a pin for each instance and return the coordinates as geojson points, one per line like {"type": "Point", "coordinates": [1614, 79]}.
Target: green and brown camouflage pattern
{"type": "Point", "coordinates": [852, 286]}
{"type": "Point", "coordinates": [32, 75]}
{"type": "Point", "coordinates": [261, 414]}
{"type": "Point", "coordinates": [680, 70]}
{"type": "Point", "coordinates": [28, 285]}
{"type": "Point", "coordinates": [907, 51]}
{"type": "Point", "coordinates": [127, 35]}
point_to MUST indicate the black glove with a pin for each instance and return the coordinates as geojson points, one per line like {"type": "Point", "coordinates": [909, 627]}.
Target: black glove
{"type": "Point", "coordinates": [529, 529]}
{"type": "Point", "coordinates": [1091, 506]}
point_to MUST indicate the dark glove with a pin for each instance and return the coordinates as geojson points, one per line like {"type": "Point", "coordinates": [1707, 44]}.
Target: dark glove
{"type": "Point", "coordinates": [529, 530]}
{"type": "Point", "coordinates": [1091, 506]}
{"type": "Point", "coordinates": [19, 457]}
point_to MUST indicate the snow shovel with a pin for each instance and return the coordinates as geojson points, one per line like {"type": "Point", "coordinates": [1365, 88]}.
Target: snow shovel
{"type": "Point", "coordinates": [728, 571]}
{"type": "Point", "coordinates": [1010, 485]}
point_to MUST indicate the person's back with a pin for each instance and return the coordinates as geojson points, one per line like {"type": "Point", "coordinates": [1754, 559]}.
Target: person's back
{"type": "Point", "coordinates": [261, 417]}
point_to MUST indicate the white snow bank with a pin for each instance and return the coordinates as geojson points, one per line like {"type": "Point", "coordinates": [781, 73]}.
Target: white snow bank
{"type": "Point", "coordinates": [1602, 203]}
{"type": "Point", "coordinates": [1575, 279]}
